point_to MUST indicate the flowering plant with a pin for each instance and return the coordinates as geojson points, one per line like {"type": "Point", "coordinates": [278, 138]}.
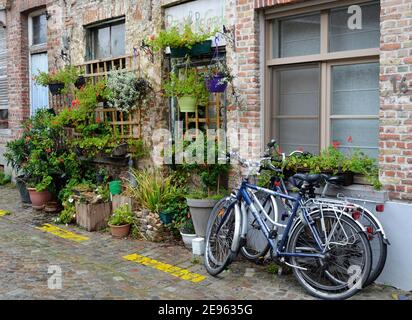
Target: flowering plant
{"type": "Point", "coordinates": [174, 39]}
{"type": "Point", "coordinates": [67, 76]}
{"type": "Point", "coordinates": [128, 92]}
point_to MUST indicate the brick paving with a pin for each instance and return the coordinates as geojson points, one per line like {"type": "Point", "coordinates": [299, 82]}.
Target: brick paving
{"type": "Point", "coordinates": [95, 269]}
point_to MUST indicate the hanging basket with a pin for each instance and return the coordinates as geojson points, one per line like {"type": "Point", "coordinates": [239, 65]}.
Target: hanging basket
{"type": "Point", "coordinates": [56, 88]}
{"type": "Point", "coordinates": [187, 104]}
{"type": "Point", "coordinates": [80, 82]}
{"type": "Point", "coordinates": [215, 84]}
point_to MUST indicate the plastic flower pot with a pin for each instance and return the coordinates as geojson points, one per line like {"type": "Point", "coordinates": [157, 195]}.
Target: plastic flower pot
{"type": "Point", "coordinates": [187, 104]}
{"type": "Point", "coordinates": [166, 218]}
{"type": "Point", "coordinates": [39, 199]}
{"type": "Point", "coordinates": [196, 50]}
{"type": "Point", "coordinates": [80, 82]}
{"type": "Point", "coordinates": [187, 239]}
{"type": "Point", "coordinates": [56, 88]}
{"type": "Point", "coordinates": [119, 232]}
{"type": "Point", "coordinates": [115, 187]}
{"type": "Point", "coordinates": [215, 84]}
{"type": "Point", "coordinates": [200, 210]}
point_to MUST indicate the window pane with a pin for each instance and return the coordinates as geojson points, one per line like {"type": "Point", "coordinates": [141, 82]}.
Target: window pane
{"type": "Point", "coordinates": [355, 89]}
{"type": "Point", "coordinates": [118, 40]}
{"type": "Point", "coordinates": [298, 134]}
{"type": "Point", "coordinates": [39, 29]}
{"type": "Point", "coordinates": [299, 91]}
{"type": "Point", "coordinates": [102, 43]}
{"type": "Point", "coordinates": [342, 37]}
{"type": "Point", "coordinates": [363, 133]}
{"type": "Point", "coordinates": [296, 36]}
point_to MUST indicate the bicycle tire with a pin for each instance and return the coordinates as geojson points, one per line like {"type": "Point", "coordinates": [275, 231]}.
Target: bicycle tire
{"type": "Point", "coordinates": [212, 265]}
{"type": "Point", "coordinates": [257, 251]}
{"type": "Point", "coordinates": [320, 290]}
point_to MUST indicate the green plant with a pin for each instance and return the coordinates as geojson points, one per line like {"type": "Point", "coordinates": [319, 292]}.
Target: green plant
{"type": "Point", "coordinates": [334, 161]}
{"type": "Point", "coordinates": [121, 216]}
{"type": "Point", "coordinates": [219, 68]}
{"type": "Point", "coordinates": [128, 92]}
{"type": "Point", "coordinates": [273, 268]}
{"type": "Point", "coordinates": [67, 76]}
{"type": "Point", "coordinates": [188, 83]}
{"type": "Point", "coordinates": [154, 190]}
{"type": "Point", "coordinates": [4, 179]}
{"type": "Point", "coordinates": [68, 215]}
{"type": "Point", "coordinates": [175, 39]}
{"type": "Point", "coordinates": [186, 226]}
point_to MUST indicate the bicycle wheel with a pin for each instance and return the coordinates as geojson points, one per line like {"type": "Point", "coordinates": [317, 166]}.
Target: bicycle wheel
{"type": "Point", "coordinates": [257, 246]}
{"type": "Point", "coordinates": [222, 236]}
{"type": "Point", "coordinates": [347, 263]}
{"type": "Point", "coordinates": [378, 246]}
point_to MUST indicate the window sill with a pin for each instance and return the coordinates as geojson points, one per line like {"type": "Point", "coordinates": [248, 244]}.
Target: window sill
{"type": "Point", "coordinates": [358, 191]}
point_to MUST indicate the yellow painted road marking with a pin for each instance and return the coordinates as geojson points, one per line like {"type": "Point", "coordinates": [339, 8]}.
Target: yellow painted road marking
{"type": "Point", "coordinates": [62, 233]}
{"type": "Point", "coordinates": [168, 268]}
{"type": "Point", "coordinates": [4, 213]}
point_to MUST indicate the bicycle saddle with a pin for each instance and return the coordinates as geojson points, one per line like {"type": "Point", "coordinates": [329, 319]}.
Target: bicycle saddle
{"type": "Point", "coordinates": [336, 180]}
{"type": "Point", "coordinates": [309, 178]}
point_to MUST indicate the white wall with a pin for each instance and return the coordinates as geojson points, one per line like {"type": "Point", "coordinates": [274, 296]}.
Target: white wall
{"type": "Point", "coordinates": [397, 221]}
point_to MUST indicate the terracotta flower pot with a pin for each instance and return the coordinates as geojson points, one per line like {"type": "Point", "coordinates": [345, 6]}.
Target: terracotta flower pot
{"type": "Point", "coordinates": [120, 232]}
{"type": "Point", "coordinates": [39, 199]}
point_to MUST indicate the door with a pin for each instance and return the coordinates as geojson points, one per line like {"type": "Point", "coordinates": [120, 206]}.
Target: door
{"type": "Point", "coordinates": [39, 94]}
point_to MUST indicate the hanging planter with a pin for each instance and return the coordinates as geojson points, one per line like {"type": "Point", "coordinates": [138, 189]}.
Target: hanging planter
{"type": "Point", "coordinates": [187, 104]}
{"type": "Point", "coordinates": [56, 88]}
{"type": "Point", "coordinates": [216, 83]}
{"type": "Point", "coordinates": [198, 49]}
{"type": "Point", "coordinates": [80, 82]}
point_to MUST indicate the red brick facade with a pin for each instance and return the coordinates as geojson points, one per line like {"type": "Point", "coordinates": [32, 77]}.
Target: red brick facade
{"type": "Point", "coordinates": [243, 17]}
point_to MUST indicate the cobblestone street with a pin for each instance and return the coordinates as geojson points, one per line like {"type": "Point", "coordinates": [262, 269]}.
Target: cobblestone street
{"type": "Point", "coordinates": [97, 269]}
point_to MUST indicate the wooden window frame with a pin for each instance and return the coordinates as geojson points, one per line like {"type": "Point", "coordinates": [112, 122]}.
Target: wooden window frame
{"type": "Point", "coordinates": [325, 59]}
{"type": "Point", "coordinates": [90, 37]}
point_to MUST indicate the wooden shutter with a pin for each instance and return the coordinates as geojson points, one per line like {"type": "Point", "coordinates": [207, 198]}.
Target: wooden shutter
{"type": "Point", "coordinates": [4, 99]}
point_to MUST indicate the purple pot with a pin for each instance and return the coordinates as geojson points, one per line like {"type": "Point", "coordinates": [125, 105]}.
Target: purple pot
{"type": "Point", "coordinates": [215, 84]}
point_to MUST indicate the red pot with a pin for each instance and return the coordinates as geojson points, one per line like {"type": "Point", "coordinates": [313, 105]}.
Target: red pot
{"type": "Point", "coordinates": [39, 199]}
{"type": "Point", "coordinates": [120, 232]}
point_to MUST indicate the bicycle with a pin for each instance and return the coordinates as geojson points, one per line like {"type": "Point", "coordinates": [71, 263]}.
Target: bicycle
{"type": "Point", "coordinates": [256, 250]}
{"type": "Point", "coordinates": [328, 251]}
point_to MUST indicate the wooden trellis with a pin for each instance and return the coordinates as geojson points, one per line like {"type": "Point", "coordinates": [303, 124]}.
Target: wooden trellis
{"type": "Point", "coordinates": [128, 125]}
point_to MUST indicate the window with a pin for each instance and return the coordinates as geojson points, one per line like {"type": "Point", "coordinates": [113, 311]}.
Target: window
{"type": "Point", "coordinates": [39, 29]}
{"type": "Point", "coordinates": [324, 79]}
{"type": "Point", "coordinates": [106, 41]}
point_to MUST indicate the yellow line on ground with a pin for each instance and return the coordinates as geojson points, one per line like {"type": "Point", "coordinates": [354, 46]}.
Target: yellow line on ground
{"type": "Point", "coordinates": [168, 268]}
{"type": "Point", "coordinates": [62, 233]}
{"type": "Point", "coordinates": [4, 213]}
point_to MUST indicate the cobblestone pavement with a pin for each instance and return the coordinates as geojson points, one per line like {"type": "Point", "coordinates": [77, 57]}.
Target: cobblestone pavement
{"type": "Point", "coordinates": [96, 269]}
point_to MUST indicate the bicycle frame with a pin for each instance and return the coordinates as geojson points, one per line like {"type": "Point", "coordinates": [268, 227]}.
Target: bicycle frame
{"type": "Point", "coordinates": [280, 248]}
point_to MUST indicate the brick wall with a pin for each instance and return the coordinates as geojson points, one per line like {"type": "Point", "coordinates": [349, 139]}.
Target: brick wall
{"type": "Point", "coordinates": [396, 107]}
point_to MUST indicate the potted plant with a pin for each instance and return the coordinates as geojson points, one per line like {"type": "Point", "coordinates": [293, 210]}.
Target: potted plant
{"type": "Point", "coordinates": [187, 43]}
{"type": "Point", "coordinates": [39, 191]}
{"type": "Point", "coordinates": [187, 231]}
{"type": "Point", "coordinates": [128, 91]}
{"type": "Point", "coordinates": [80, 82]}
{"type": "Point", "coordinates": [189, 90]}
{"type": "Point", "coordinates": [93, 206]}
{"type": "Point", "coordinates": [208, 192]}
{"type": "Point", "coordinates": [120, 221]}
{"type": "Point", "coordinates": [217, 77]}
{"type": "Point", "coordinates": [58, 82]}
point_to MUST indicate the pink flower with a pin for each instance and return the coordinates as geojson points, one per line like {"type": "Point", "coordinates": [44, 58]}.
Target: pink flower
{"type": "Point", "coordinates": [350, 139]}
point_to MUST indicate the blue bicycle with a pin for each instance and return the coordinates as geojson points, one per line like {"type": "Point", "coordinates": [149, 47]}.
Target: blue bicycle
{"type": "Point", "coordinates": [329, 252]}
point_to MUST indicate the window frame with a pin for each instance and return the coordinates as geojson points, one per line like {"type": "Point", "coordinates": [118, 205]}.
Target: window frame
{"type": "Point", "coordinates": [325, 59]}
{"type": "Point", "coordinates": [91, 34]}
